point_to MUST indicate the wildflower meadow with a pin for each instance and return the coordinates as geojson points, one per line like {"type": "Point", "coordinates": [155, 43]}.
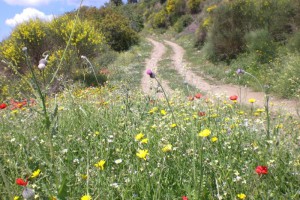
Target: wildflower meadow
{"type": "Point", "coordinates": [107, 143]}
{"type": "Point", "coordinates": [64, 138]}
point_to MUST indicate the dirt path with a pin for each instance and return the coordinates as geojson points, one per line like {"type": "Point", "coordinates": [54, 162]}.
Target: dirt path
{"type": "Point", "coordinates": [149, 85]}
{"type": "Point", "coordinates": [227, 90]}
{"type": "Point", "coordinates": [199, 82]}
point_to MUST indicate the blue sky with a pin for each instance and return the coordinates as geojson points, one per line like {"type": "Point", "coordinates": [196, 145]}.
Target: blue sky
{"type": "Point", "coordinates": [16, 11]}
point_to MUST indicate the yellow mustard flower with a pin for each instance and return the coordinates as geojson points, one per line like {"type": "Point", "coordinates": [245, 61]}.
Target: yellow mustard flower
{"type": "Point", "coordinates": [167, 148]}
{"type": "Point", "coordinates": [86, 197]}
{"type": "Point", "coordinates": [139, 136]}
{"type": "Point", "coordinates": [84, 176]}
{"type": "Point", "coordinates": [251, 100]}
{"type": "Point", "coordinates": [173, 125]}
{"type": "Point", "coordinates": [153, 110]}
{"type": "Point", "coordinates": [144, 141]}
{"type": "Point", "coordinates": [100, 164]}
{"type": "Point", "coordinates": [279, 126]}
{"type": "Point", "coordinates": [214, 139]}
{"type": "Point", "coordinates": [142, 154]}
{"type": "Point", "coordinates": [163, 112]}
{"type": "Point", "coordinates": [204, 133]}
{"type": "Point", "coordinates": [241, 196]}
{"type": "Point", "coordinates": [36, 173]}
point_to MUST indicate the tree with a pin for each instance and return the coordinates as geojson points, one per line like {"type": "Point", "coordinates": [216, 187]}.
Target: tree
{"type": "Point", "coordinates": [116, 2]}
{"type": "Point", "coordinates": [132, 1]}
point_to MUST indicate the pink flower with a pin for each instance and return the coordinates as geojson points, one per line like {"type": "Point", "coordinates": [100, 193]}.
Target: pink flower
{"type": "Point", "coordinates": [184, 198]}
{"type": "Point", "coordinates": [150, 73]}
{"type": "Point", "coordinates": [261, 170]}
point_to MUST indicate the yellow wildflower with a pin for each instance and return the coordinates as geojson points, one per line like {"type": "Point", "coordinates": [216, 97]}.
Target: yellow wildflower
{"type": "Point", "coordinates": [86, 197]}
{"type": "Point", "coordinates": [139, 136]}
{"type": "Point", "coordinates": [144, 141]}
{"type": "Point", "coordinates": [142, 154]}
{"type": "Point", "coordinates": [167, 148]}
{"type": "Point", "coordinates": [173, 125]}
{"type": "Point", "coordinates": [16, 198]}
{"type": "Point", "coordinates": [84, 176]}
{"type": "Point", "coordinates": [35, 173]}
{"type": "Point", "coordinates": [153, 110]}
{"type": "Point", "coordinates": [204, 133]}
{"type": "Point", "coordinates": [163, 112]}
{"type": "Point", "coordinates": [100, 164]}
{"type": "Point", "coordinates": [211, 8]}
{"type": "Point", "coordinates": [252, 100]}
{"type": "Point", "coordinates": [214, 139]}
{"type": "Point", "coordinates": [241, 196]}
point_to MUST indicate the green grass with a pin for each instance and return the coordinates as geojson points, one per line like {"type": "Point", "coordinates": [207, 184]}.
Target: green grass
{"type": "Point", "coordinates": [100, 125]}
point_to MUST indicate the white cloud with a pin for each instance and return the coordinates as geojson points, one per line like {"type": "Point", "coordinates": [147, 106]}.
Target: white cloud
{"type": "Point", "coordinates": [28, 13]}
{"type": "Point", "coordinates": [28, 2]}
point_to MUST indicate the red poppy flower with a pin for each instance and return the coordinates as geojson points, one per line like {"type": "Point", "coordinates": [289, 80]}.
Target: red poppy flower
{"type": "Point", "coordinates": [233, 98]}
{"type": "Point", "coordinates": [184, 198]}
{"type": "Point", "coordinates": [198, 95]}
{"type": "Point", "coordinates": [21, 182]}
{"type": "Point", "coordinates": [261, 170]}
{"type": "Point", "coordinates": [3, 105]}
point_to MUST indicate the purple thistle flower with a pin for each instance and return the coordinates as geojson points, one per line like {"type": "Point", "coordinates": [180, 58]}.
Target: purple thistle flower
{"type": "Point", "coordinates": [240, 71]}
{"type": "Point", "coordinates": [150, 73]}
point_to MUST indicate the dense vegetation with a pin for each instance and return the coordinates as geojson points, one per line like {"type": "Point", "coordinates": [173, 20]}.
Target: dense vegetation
{"type": "Point", "coordinates": [260, 36]}
{"type": "Point", "coordinates": [63, 138]}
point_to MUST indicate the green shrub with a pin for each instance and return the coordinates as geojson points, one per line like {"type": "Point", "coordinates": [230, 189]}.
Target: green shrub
{"type": "Point", "coordinates": [159, 19]}
{"type": "Point", "coordinates": [117, 31]}
{"type": "Point", "coordinates": [260, 43]}
{"type": "Point", "coordinates": [90, 79]}
{"type": "Point", "coordinates": [230, 23]}
{"type": "Point", "coordinates": [294, 42]}
{"type": "Point", "coordinates": [194, 6]}
{"type": "Point", "coordinates": [182, 22]}
{"type": "Point", "coordinates": [287, 81]}
{"type": "Point", "coordinates": [200, 36]}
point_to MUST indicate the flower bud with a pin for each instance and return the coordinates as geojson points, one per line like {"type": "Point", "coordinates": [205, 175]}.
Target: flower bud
{"type": "Point", "coordinates": [28, 193]}
{"type": "Point", "coordinates": [240, 71]}
{"type": "Point", "coordinates": [42, 63]}
{"type": "Point", "coordinates": [150, 73]}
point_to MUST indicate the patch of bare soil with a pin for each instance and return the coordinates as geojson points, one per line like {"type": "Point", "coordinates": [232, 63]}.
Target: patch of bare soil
{"type": "Point", "coordinates": [149, 85]}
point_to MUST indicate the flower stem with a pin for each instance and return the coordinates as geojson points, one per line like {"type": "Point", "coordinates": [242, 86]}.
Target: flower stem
{"type": "Point", "coordinates": [166, 97]}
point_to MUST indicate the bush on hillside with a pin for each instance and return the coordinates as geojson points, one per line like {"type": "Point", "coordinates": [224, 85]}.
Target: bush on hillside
{"type": "Point", "coordinates": [230, 22]}
{"type": "Point", "coordinates": [294, 42]}
{"type": "Point", "coordinates": [194, 6]}
{"type": "Point", "coordinates": [31, 34]}
{"type": "Point", "coordinates": [117, 31]}
{"type": "Point", "coordinates": [287, 80]}
{"type": "Point", "coordinates": [159, 19]}
{"type": "Point", "coordinates": [182, 22]}
{"type": "Point", "coordinates": [85, 39]}
{"type": "Point", "coordinates": [175, 8]}
{"type": "Point", "coordinates": [260, 43]}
